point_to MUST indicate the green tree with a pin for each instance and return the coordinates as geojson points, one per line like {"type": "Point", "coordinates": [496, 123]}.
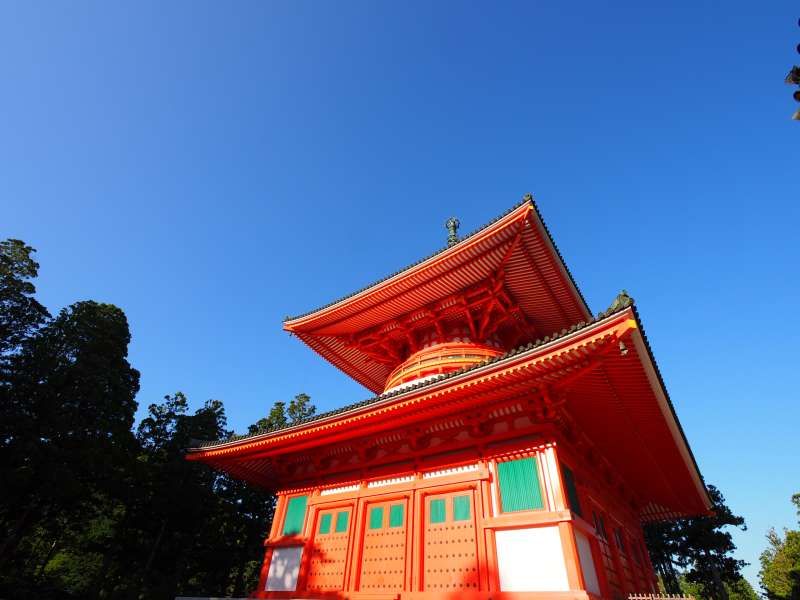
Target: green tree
{"type": "Point", "coordinates": [65, 433]}
{"type": "Point", "coordinates": [739, 590]}
{"type": "Point", "coordinates": [300, 408]}
{"type": "Point", "coordinates": [663, 539]}
{"type": "Point", "coordinates": [707, 548]}
{"type": "Point", "coordinates": [274, 420]}
{"type": "Point", "coordinates": [90, 508]}
{"type": "Point", "coordinates": [20, 313]}
{"type": "Point", "coordinates": [281, 415]}
{"type": "Point", "coordinates": [780, 563]}
{"type": "Point", "coordinates": [700, 548]}
{"type": "Point", "coordinates": [201, 530]}
{"type": "Point", "coordinates": [177, 514]}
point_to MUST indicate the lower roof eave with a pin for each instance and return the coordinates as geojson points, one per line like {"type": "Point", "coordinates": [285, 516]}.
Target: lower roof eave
{"type": "Point", "coordinates": [318, 431]}
{"type": "Point", "coordinates": [481, 370]}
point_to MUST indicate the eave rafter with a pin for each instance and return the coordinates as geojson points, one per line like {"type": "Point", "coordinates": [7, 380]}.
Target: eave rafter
{"type": "Point", "coordinates": [483, 297]}
{"type": "Point", "coordinates": [534, 267]}
{"type": "Point", "coordinates": [601, 467]}
{"type": "Point", "coordinates": [415, 442]}
{"type": "Point", "coordinates": [509, 251]}
{"type": "Point", "coordinates": [484, 308]}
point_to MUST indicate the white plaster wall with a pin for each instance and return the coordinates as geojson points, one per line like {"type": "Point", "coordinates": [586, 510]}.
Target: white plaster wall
{"type": "Point", "coordinates": [283, 569]}
{"type": "Point", "coordinates": [531, 560]}
{"type": "Point", "coordinates": [587, 563]}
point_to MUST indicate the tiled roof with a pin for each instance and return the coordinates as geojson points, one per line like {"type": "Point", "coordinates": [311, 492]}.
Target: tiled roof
{"type": "Point", "coordinates": [527, 198]}
{"type": "Point", "coordinates": [621, 302]}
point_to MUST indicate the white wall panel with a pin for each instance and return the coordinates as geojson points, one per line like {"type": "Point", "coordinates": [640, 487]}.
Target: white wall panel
{"type": "Point", "coordinates": [587, 563]}
{"type": "Point", "coordinates": [531, 560]}
{"type": "Point", "coordinates": [283, 569]}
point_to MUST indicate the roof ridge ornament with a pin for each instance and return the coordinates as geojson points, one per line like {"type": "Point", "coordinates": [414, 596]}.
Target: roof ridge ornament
{"type": "Point", "coordinates": [528, 197]}
{"type": "Point", "coordinates": [452, 224]}
{"type": "Point", "coordinates": [623, 300]}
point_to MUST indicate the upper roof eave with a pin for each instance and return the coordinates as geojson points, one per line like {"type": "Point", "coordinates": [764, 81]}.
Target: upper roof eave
{"type": "Point", "coordinates": [527, 204]}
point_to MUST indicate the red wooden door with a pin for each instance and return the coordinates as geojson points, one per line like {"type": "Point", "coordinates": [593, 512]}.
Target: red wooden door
{"type": "Point", "coordinates": [383, 558]}
{"type": "Point", "coordinates": [329, 550]}
{"type": "Point", "coordinates": [450, 555]}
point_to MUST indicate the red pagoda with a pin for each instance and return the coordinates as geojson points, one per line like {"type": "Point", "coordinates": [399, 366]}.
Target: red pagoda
{"type": "Point", "coordinates": [514, 447]}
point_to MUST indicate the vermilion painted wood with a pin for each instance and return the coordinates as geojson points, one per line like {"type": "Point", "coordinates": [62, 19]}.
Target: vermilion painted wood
{"type": "Point", "coordinates": [612, 401]}
{"type": "Point", "coordinates": [475, 482]}
{"type": "Point", "coordinates": [515, 249]}
{"type": "Point", "coordinates": [449, 552]}
{"type": "Point", "coordinates": [588, 493]}
{"type": "Point", "coordinates": [329, 552]}
{"type": "Point", "coordinates": [591, 399]}
{"type": "Point", "coordinates": [438, 360]}
{"type": "Point", "coordinates": [383, 556]}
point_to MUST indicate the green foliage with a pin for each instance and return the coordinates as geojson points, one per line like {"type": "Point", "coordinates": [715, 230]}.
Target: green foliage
{"type": "Point", "coordinates": [738, 590]}
{"type": "Point", "coordinates": [780, 563]}
{"type": "Point", "coordinates": [299, 409]}
{"type": "Point", "coordinates": [663, 541]}
{"type": "Point", "coordinates": [65, 417]}
{"type": "Point", "coordinates": [699, 549]}
{"type": "Point", "coordinates": [274, 420]}
{"type": "Point", "coordinates": [20, 313]}
{"type": "Point", "coordinates": [741, 590]}
{"type": "Point", "coordinates": [89, 507]}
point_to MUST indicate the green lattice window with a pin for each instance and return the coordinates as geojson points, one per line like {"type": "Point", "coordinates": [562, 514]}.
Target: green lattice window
{"type": "Point", "coordinates": [396, 515]}
{"type": "Point", "coordinates": [325, 523]}
{"type": "Point", "coordinates": [376, 517]}
{"type": "Point", "coordinates": [295, 515]}
{"type": "Point", "coordinates": [341, 521]}
{"type": "Point", "coordinates": [519, 485]}
{"type": "Point", "coordinates": [461, 511]}
{"type": "Point", "coordinates": [437, 511]}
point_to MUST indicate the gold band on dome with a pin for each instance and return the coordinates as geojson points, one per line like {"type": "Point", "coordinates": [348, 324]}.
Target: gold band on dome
{"type": "Point", "coordinates": [439, 359]}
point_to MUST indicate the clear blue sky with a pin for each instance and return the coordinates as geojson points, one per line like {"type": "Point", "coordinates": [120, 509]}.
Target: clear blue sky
{"type": "Point", "coordinates": [212, 168]}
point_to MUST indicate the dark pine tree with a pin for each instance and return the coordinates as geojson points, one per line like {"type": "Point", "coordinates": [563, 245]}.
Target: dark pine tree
{"type": "Point", "coordinates": [699, 548]}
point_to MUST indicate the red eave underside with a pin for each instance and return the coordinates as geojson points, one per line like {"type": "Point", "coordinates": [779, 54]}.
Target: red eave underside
{"type": "Point", "coordinates": [534, 277]}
